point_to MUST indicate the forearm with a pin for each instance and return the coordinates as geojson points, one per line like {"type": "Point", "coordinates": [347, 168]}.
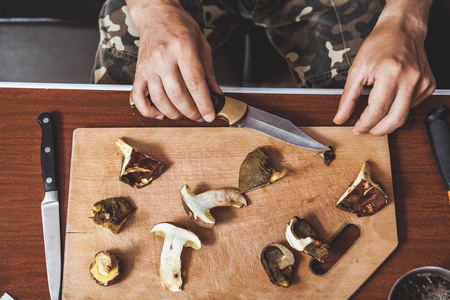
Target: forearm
{"type": "Point", "coordinates": [411, 15]}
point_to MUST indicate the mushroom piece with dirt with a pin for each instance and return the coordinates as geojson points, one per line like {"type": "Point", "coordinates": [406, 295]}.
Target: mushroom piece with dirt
{"type": "Point", "coordinates": [175, 239]}
{"type": "Point", "coordinates": [302, 237]}
{"type": "Point", "coordinates": [198, 206]}
{"type": "Point", "coordinates": [138, 169]}
{"type": "Point", "coordinates": [364, 196]}
{"type": "Point", "coordinates": [105, 268]}
{"type": "Point", "coordinates": [277, 261]}
{"type": "Point", "coordinates": [256, 171]}
{"type": "Point", "coordinates": [112, 213]}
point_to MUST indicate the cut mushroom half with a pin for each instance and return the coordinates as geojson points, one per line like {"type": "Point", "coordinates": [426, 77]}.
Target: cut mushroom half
{"type": "Point", "coordinates": [175, 239]}
{"type": "Point", "coordinates": [277, 261]}
{"type": "Point", "coordinates": [256, 172]}
{"type": "Point", "coordinates": [363, 197]}
{"type": "Point", "coordinates": [105, 268]}
{"type": "Point", "coordinates": [198, 206]}
{"type": "Point", "coordinates": [138, 169]}
{"type": "Point", "coordinates": [302, 237]}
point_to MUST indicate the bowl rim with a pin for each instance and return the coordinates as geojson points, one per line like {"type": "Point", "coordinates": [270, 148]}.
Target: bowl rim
{"type": "Point", "coordinates": [427, 269]}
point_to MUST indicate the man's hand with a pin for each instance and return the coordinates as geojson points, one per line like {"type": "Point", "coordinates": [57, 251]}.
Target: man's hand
{"type": "Point", "coordinates": [174, 65]}
{"type": "Point", "coordinates": [393, 59]}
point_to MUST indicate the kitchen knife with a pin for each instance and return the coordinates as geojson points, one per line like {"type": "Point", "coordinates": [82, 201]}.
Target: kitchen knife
{"type": "Point", "coordinates": [238, 113]}
{"type": "Point", "coordinates": [50, 205]}
{"type": "Point", "coordinates": [439, 137]}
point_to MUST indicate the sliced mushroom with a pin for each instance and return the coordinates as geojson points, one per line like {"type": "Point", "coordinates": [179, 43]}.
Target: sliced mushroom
{"type": "Point", "coordinates": [198, 206]}
{"type": "Point", "coordinates": [105, 268]}
{"type": "Point", "coordinates": [175, 238]}
{"type": "Point", "coordinates": [328, 156]}
{"type": "Point", "coordinates": [302, 237]}
{"type": "Point", "coordinates": [112, 213]}
{"type": "Point", "coordinates": [256, 171]}
{"type": "Point", "coordinates": [138, 169]}
{"type": "Point", "coordinates": [277, 261]}
{"type": "Point", "coordinates": [363, 196]}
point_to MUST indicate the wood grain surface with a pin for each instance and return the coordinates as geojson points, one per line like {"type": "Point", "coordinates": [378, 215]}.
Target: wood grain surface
{"type": "Point", "coordinates": [229, 261]}
{"type": "Point", "coordinates": [421, 201]}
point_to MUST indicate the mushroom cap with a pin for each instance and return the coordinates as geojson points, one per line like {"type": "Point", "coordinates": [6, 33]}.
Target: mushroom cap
{"type": "Point", "coordinates": [363, 196]}
{"type": "Point", "coordinates": [167, 230]}
{"type": "Point", "coordinates": [297, 240]}
{"type": "Point", "coordinates": [198, 206]}
{"type": "Point", "coordinates": [277, 261]}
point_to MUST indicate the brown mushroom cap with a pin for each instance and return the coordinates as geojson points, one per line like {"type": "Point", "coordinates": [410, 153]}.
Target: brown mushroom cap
{"type": "Point", "coordinates": [277, 261]}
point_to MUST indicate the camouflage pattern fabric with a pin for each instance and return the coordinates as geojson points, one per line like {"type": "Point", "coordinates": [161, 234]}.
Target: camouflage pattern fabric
{"type": "Point", "coordinates": [319, 39]}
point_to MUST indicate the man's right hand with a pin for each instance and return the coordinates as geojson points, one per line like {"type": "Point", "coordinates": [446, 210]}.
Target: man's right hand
{"type": "Point", "coordinates": [174, 64]}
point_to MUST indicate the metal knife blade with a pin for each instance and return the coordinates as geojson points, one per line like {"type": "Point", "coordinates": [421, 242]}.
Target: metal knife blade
{"type": "Point", "coordinates": [50, 205]}
{"type": "Point", "coordinates": [238, 113]}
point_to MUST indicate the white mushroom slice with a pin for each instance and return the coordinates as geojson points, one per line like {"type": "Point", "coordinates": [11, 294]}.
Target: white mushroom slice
{"type": "Point", "coordinates": [175, 238]}
{"type": "Point", "coordinates": [198, 206]}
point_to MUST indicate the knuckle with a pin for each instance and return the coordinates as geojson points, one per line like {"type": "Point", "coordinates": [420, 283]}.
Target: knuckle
{"type": "Point", "coordinates": [175, 96]}
{"type": "Point", "coordinates": [159, 51]}
{"type": "Point", "coordinates": [378, 110]}
{"type": "Point", "coordinates": [193, 83]}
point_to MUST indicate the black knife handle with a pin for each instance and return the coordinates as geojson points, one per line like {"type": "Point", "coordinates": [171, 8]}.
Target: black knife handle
{"type": "Point", "coordinates": [439, 136]}
{"type": "Point", "coordinates": [218, 101]}
{"type": "Point", "coordinates": [48, 152]}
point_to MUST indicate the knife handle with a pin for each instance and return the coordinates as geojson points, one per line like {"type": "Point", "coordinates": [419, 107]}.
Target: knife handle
{"type": "Point", "coordinates": [228, 109]}
{"type": "Point", "coordinates": [48, 152]}
{"type": "Point", "coordinates": [439, 136]}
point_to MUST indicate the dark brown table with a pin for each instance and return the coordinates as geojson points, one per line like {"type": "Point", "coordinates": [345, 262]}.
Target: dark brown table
{"type": "Point", "coordinates": [421, 202]}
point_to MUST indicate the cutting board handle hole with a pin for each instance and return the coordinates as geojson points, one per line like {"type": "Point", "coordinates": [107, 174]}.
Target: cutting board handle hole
{"type": "Point", "coordinates": [338, 246]}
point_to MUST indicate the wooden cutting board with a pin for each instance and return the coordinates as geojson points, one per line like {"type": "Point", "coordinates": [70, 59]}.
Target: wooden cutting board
{"type": "Point", "coordinates": [228, 264]}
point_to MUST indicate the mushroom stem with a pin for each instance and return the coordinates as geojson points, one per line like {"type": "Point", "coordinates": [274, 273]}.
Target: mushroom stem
{"type": "Point", "coordinates": [175, 238]}
{"type": "Point", "coordinates": [198, 206]}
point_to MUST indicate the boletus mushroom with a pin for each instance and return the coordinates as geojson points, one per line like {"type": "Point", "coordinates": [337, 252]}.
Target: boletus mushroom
{"type": "Point", "coordinates": [363, 197]}
{"type": "Point", "coordinates": [198, 206]}
{"type": "Point", "coordinates": [105, 268]}
{"type": "Point", "coordinates": [328, 156]}
{"type": "Point", "coordinates": [256, 171]}
{"type": "Point", "coordinates": [112, 213]}
{"type": "Point", "coordinates": [277, 261]}
{"type": "Point", "coordinates": [302, 237]}
{"type": "Point", "coordinates": [175, 238]}
{"type": "Point", "coordinates": [138, 169]}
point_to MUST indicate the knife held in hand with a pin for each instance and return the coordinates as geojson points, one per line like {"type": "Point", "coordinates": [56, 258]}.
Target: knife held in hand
{"type": "Point", "coordinates": [238, 113]}
{"type": "Point", "coordinates": [50, 206]}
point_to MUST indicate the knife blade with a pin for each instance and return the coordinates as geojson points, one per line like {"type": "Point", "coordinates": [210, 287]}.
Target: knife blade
{"type": "Point", "coordinates": [238, 113]}
{"type": "Point", "coordinates": [439, 137]}
{"type": "Point", "coordinates": [50, 205]}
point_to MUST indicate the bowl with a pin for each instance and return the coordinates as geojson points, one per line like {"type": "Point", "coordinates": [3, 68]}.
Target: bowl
{"type": "Point", "coordinates": [428, 279]}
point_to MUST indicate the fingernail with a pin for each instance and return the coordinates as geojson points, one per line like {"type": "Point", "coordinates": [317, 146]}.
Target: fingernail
{"type": "Point", "coordinates": [200, 120]}
{"type": "Point", "coordinates": [355, 133]}
{"type": "Point", "coordinates": [208, 118]}
{"type": "Point", "coordinates": [159, 117]}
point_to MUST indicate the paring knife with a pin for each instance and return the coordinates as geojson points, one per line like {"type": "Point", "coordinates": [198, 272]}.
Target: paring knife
{"type": "Point", "coordinates": [50, 205]}
{"type": "Point", "coordinates": [238, 113]}
{"type": "Point", "coordinates": [439, 137]}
